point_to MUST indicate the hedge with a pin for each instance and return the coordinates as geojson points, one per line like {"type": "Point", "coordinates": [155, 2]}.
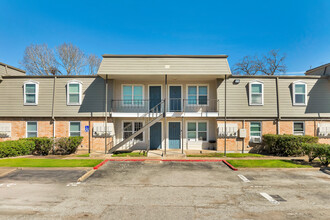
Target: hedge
{"type": "Point", "coordinates": [286, 145]}
{"type": "Point", "coordinates": [16, 148]}
{"type": "Point", "coordinates": [67, 145]}
{"type": "Point", "coordinates": [313, 150]}
{"type": "Point", "coordinates": [43, 145]}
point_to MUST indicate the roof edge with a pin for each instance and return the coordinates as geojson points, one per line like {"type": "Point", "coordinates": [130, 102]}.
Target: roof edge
{"type": "Point", "coordinates": [161, 56]}
{"type": "Point", "coordinates": [316, 68]}
{"type": "Point", "coordinates": [12, 67]}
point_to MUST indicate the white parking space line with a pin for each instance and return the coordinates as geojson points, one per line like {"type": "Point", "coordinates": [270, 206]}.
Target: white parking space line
{"type": "Point", "coordinates": [246, 180]}
{"type": "Point", "coordinates": [7, 185]}
{"type": "Point", "coordinates": [269, 198]}
{"type": "Point", "coordinates": [73, 184]}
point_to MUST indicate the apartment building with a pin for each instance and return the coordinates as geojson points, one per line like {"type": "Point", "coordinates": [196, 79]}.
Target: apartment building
{"type": "Point", "coordinates": [168, 102]}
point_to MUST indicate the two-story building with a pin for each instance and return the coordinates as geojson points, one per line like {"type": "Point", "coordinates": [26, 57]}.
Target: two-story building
{"type": "Point", "coordinates": [168, 102]}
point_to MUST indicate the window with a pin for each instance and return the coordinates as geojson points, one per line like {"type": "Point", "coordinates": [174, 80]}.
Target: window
{"type": "Point", "coordinates": [197, 131]}
{"type": "Point", "coordinates": [197, 94]}
{"type": "Point", "coordinates": [31, 93]}
{"type": "Point", "coordinates": [31, 129]}
{"type": "Point", "coordinates": [298, 128]}
{"type": "Point", "coordinates": [5, 130]}
{"type": "Point", "coordinates": [133, 94]}
{"type": "Point", "coordinates": [256, 93]}
{"type": "Point", "coordinates": [74, 128]}
{"type": "Point", "coordinates": [299, 93]}
{"type": "Point", "coordinates": [129, 127]}
{"type": "Point", "coordinates": [74, 93]}
{"type": "Point", "coordinates": [255, 129]}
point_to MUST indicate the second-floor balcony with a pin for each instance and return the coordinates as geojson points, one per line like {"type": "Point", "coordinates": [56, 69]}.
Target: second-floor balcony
{"type": "Point", "coordinates": [173, 105]}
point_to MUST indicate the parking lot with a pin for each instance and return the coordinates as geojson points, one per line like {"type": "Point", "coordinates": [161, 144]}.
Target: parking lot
{"type": "Point", "coordinates": [168, 190]}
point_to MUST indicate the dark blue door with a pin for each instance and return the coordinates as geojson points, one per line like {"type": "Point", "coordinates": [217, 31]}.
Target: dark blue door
{"type": "Point", "coordinates": [156, 136]}
{"type": "Point", "coordinates": [155, 96]}
{"type": "Point", "coordinates": [175, 98]}
{"type": "Point", "coordinates": [174, 135]}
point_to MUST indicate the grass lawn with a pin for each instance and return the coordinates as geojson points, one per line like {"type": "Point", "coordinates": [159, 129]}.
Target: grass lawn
{"type": "Point", "coordinates": [27, 162]}
{"type": "Point", "coordinates": [131, 154]}
{"type": "Point", "coordinates": [266, 164]}
{"type": "Point", "coordinates": [222, 154]}
{"type": "Point", "coordinates": [83, 155]}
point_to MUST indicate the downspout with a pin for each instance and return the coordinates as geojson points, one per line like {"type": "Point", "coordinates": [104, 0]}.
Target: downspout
{"type": "Point", "coordinates": [225, 153]}
{"type": "Point", "coordinates": [278, 108]}
{"type": "Point", "coordinates": [106, 114]}
{"type": "Point", "coordinates": [165, 127]}
{"type": "Point", "coordinates": [53, 110]}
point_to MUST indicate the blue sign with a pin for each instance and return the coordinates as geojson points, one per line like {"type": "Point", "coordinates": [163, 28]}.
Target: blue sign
{"type": "Point", "coordinates": [86, 128]}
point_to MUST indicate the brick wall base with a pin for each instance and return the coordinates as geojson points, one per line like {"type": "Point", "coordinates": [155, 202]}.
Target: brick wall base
{"type": "Point", "coordinates": [268, 127]}
{"type": "Point", "coordinates": [62, 125]}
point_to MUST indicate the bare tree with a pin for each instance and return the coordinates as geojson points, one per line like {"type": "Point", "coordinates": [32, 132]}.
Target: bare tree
{"type": "Point", "coordinates": [39, 59]}
{"type": "Point", "coordinates": [93, 64]}
{"type": "Point", "coordinates": [273, 63]}
{"type": "Point", "coordinates": [247, 66]}
{"type": "Point", "coordinates": [71, 58]}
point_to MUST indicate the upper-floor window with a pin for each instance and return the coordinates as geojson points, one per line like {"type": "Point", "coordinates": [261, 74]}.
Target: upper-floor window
{"type": "Point", "coordinates": [31, 129]}
{"type": "Point", "coordinates": [299, 93]}
{"type": "Point", "coordinates": [298, 128]}
{"type": "Point", "coordinates": [74, 93]}
{"type": "Point", "coordinates": [197, 95]}
{"type": "Point", "coordinates": [74, 128]}
{"type": "Point", "coordinates": [256, 93]}
{"type": "Point", "coordinates": [31, 90]}
{"type": "Point", "coordinates": [197, 131]}
{"type": "Point", "coordinates": [133, 94]}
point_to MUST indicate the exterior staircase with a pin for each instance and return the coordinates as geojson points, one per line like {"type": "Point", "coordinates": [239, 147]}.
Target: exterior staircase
{"type": "Point", "coordinates": [153, 116]}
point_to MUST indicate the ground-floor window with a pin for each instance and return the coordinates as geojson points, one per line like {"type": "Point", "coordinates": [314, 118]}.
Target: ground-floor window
{"type": "Point", "coordinates": [255, 129]}
{"type": "Point", "coordinates": [197, 131]}
{"type": "Point", "coordinates": [129, 127]}
{"type": "Point", "coordinates": [31, 129]}
{"type": "Point", "coordinates": [298, 128]}
{"type": "Point", "coordinates": [74, 128]}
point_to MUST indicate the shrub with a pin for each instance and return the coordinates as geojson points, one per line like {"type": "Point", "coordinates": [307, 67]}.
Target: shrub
{"type": "Point", "coordinates": [322, 151]}
{"type": "Point", "coordinates": [43, 145]}
{"type": "Point", "coordinates": [67, 145]}
{"type": "Point", "coordinates": [286, 145]}
{"type": "Point", "coordinates": [16, 148]}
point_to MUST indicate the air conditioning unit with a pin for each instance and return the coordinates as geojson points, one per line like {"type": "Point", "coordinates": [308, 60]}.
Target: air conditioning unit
{"type": "Point", "coordinates": [256, 140]}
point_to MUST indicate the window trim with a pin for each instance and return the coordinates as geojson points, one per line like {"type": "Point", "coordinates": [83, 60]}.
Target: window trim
{"type": "Point", "coordinates": [196, 122]}
{"type": "Point", "coordinates": [294, 93]}
{"type": "Point", "coordinates": [30, 82]}
{"type": "Point", "coordinates": [74, 131]}
{"type": "Point", "coordinates": [256, 82]}
{"type": "Point", "coordinates": [68, 92]}
{"type": "Point", "coordinates": [303, 127]}
{"type": "Point", "coordinates": [133, 128]}
{"type": "Point", "coordinates": [26, 128]}
{"type": "Point", "coordinates": [260, 129]}
{"type": "Point", "coordinates": [122, 94]}
{"type": "Point", "coordinates": [197, 94]}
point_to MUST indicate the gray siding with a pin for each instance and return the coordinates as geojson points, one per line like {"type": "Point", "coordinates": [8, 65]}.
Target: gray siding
{"type": "Point", "coordinates": [152, 66]}
{"type": "Point", "coordinates": [238, 98]}
{"type": "Point", "coordinates": [12, 100]}
{"type": "Point", "coordinates": [318, 98]}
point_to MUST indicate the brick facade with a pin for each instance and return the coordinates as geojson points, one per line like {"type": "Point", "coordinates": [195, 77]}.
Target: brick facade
{"type": "Point", "coordinates": [268, 127]}
{"type": "Point", "coordinates": [62, 125]}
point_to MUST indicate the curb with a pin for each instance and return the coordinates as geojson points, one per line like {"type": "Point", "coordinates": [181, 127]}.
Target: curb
{"type": "Point", "coordinates": [86, 175]}
{"type": "Point", "coordinates": [100, 164]}
{"type": "Point", "coordinates": [229, 165]}
{"type": "Point", "coordinates": [9, 172]}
